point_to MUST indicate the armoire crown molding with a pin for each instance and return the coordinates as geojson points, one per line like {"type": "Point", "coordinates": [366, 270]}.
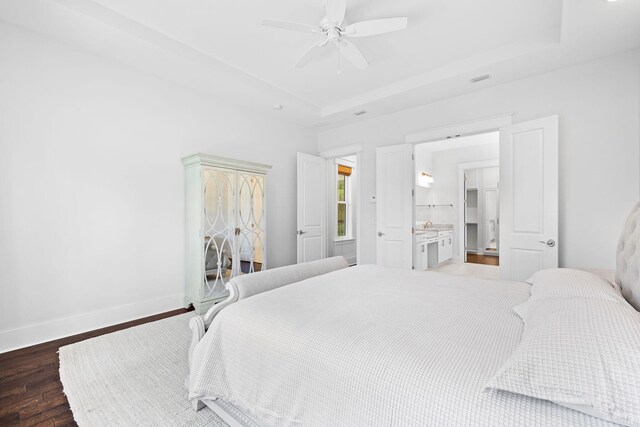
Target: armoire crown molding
{"type": "Point", "coordinates": [209, 160]}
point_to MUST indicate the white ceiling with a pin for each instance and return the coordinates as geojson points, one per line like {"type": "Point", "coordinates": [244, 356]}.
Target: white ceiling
{"type": "Point", "coordinates": [220, 46]}
{"type": "Point", "coordinates": [438, 34]}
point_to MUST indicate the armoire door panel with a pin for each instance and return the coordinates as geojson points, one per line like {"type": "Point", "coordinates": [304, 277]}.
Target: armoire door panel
{"type": "Point", "coordinates": [218, 233]}
{"type": "Point", "coordinates": [225, 225]}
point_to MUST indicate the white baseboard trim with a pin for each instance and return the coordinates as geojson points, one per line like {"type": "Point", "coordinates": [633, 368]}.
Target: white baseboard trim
{"type": "Point", "coordinates": [59, 328]}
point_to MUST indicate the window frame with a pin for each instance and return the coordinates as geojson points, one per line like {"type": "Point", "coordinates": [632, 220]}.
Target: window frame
{"type": "Point", "coordinates": [348, 200]}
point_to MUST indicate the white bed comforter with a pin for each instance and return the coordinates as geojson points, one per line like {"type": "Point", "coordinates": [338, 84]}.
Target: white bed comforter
{"type": "Point", "coordinates": [369, 346]}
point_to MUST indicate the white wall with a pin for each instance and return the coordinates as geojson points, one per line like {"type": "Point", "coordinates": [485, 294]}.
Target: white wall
{"type": "Point", "coordinates": [92, 187]}
{"type": "Point", "coordinates": [423, 163]}
{"type": "Point", "coordinates": [598, 103]}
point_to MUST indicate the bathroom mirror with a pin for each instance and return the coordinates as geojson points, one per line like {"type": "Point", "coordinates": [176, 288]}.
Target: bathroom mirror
{"type": "Point", "coordinates": [492, 224]}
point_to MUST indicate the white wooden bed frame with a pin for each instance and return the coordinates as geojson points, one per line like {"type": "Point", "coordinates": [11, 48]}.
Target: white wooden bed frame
{"type": "Point", "coordinates": [242, 287]}
{"type": "Point", "coordinates": [627, 276]}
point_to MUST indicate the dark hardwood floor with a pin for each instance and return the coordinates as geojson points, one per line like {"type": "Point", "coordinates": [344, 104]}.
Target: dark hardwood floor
{"type": "Point", "coordinates": [30, 388]}
{"type": "Point", "coordinates": [483, 259]}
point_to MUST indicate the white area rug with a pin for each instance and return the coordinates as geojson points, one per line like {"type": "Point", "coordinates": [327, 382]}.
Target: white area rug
{"type": "Point", "coordinates": [134, 377]}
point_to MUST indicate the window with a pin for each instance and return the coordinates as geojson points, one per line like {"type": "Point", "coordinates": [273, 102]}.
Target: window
{"type": "Point", "coordinates": [344, 172]}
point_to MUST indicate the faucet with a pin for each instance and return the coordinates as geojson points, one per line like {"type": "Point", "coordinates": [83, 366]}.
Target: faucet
{"type": "Point", "coordinates": [427, 225]}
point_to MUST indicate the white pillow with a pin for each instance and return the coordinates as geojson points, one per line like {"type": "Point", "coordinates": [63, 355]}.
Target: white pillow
{"type": "Point", "coordinates": [582, 353]}
{"type": "Point", "coordinates": [570, 283]}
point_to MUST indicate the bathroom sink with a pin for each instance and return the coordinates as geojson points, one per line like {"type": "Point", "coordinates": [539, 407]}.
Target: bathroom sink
{"type": "Point", "coordinates": [434, 231]}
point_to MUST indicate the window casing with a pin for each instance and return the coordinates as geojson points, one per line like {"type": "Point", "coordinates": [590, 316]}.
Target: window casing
{"type": "Point", "coordinates": [343, 202]}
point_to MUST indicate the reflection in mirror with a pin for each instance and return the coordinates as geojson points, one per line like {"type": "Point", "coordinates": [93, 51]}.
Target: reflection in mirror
{"type": "Point", "coordinates": [219, 230]}
{"type": "Point", "coordinates": [491, 219]}
{"type": "Point", "coordinates": [251, 226]}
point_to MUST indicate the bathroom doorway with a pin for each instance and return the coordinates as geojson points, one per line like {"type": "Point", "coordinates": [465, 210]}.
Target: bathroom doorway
{"type": "Point", "coordinates": [440, 226]}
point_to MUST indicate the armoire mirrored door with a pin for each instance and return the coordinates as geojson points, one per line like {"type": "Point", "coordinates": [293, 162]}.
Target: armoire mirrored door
{"type": "Point", "coordinates": [219, 230]}
{"type": "Point", "coordinates": [225, 223]}
{"type": "Point", "coordinates": [251, 229]}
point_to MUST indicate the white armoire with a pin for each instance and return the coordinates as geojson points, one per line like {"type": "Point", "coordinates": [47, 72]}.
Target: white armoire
{"type": "Point", "coordinates": [225, 225]}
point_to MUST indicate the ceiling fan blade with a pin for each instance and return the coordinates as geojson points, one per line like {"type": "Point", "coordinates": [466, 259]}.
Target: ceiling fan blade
{"type": "Point", "coordinates": [335, 10]}
{"type": "Point", "coordinates": [311, 53]}
{"type": "Point", "coordinates": [375, 26]}
{"type": "Point", "coordinates": [293, 26]}
{"type": "Point", "coordinates": [353, 54]}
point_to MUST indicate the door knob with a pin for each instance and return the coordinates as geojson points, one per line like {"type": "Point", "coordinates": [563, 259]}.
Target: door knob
{"type": "Point", "coordinates": [380, 234]}
{"type": "Point", "coordinates": [300, 232]}
{"type": "Point", "coordinates": [551, 243]}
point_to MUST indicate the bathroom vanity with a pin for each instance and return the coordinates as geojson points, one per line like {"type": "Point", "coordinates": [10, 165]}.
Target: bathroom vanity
{"type": "Point", "coordinates": [433, 246]}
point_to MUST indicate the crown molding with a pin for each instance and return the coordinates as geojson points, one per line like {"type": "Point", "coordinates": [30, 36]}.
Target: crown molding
{"type": "Point", "coordinates": [224, 162]}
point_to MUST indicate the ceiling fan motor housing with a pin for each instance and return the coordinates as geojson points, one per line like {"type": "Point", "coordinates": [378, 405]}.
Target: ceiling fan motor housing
{"type": "Point", "coordinates": [333, 34]}
{"type": "Point", "coordinates": [328, 23]}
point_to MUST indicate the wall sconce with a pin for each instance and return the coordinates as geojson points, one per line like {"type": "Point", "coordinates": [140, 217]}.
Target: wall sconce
{"type": "Point", "coordinates": [425, 179]}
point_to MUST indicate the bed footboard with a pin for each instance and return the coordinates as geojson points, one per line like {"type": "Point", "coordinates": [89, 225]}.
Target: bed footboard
{"type": "Point", "coordinates": [247, 285]}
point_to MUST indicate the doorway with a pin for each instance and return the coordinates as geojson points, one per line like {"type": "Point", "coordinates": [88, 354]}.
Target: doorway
{"type": "Point", "coordinates": [528, 232]}
{"type": "Point", "coordinates": [453, 178]}
{"type": "Point", "coordinates": [481, 220]}
{"type": "Point", "coordinates": [328, 206]}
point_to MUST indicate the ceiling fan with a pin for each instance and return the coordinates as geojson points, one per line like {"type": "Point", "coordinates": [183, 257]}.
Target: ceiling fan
{"type": "Point", "coordinates": [335, 33]}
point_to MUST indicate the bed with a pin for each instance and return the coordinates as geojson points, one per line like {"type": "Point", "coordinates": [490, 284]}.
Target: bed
{"type": "Point", "coordinates": [321, 344]}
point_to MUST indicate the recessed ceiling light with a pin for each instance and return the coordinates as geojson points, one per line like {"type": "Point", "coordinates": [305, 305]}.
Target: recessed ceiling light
{"type": "Point", "coordinates": [610, 1]}
{"type": "Point", "coordinates": [277, 106]}
{"type": "Point", "coordinates": [480, 78]}
{"type": "Point", "coordinates": [359, 113]}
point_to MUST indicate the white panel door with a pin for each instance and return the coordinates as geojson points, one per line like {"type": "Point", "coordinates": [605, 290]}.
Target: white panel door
{"type": "Point", "coordinates": [311, 222]}
{"type": "Point", "coordinates": [394, 206]}
{"type": "Point", "coordinates": [528, 198]}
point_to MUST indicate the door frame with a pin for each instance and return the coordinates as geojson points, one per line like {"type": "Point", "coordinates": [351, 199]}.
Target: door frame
{"type": "Point", "coordinates": [462, 167]}
{"type": "Point", "coordinates": [329, 156]}
{"type": "Point", "coordinates": [455, 130]}
{"type": "Point", "coordinates": [471, 127]}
